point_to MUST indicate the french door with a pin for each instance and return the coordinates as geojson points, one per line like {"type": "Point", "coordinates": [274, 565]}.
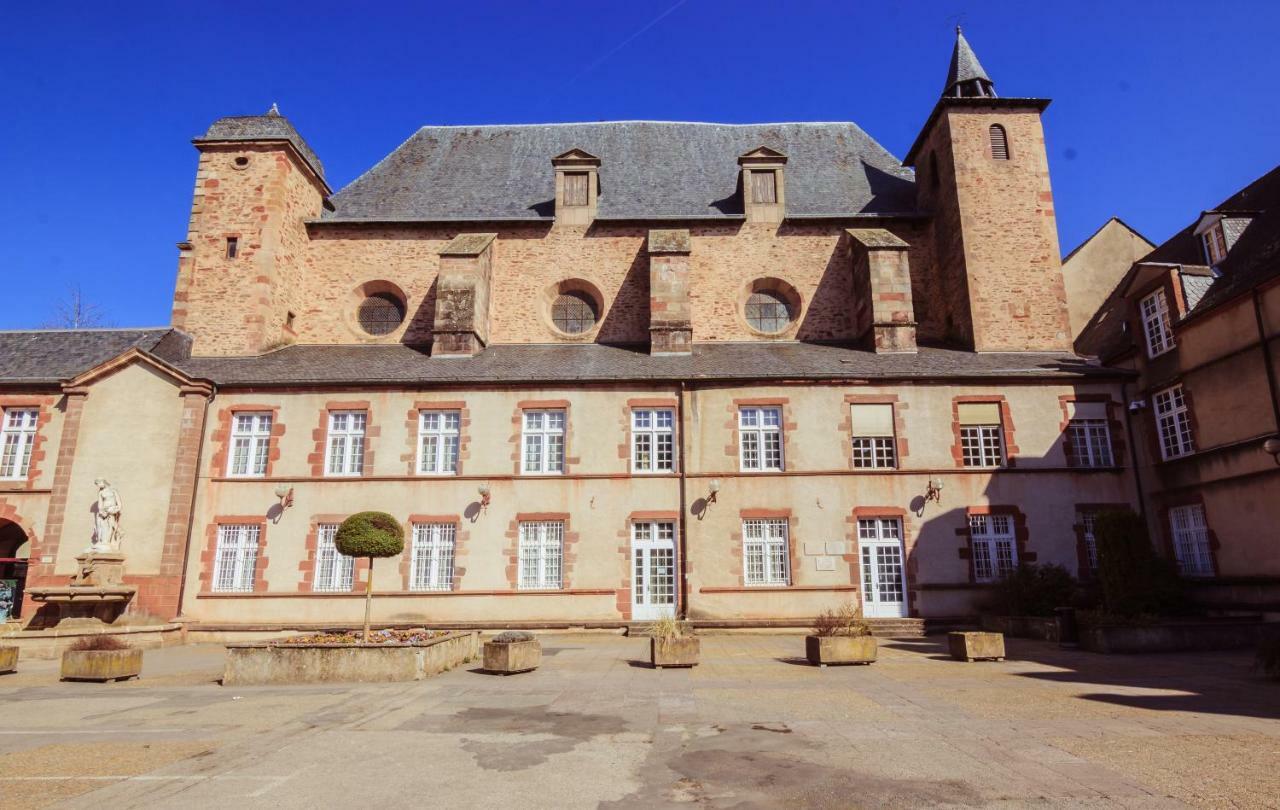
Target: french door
{"type": "Point", "coordinates": [653, 570]}
{"type": "Point", "coordinates": [883, 582]}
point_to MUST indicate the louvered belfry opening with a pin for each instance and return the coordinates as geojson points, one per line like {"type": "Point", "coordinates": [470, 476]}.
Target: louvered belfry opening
{"type": "Point", "coordinates": [999, 143]}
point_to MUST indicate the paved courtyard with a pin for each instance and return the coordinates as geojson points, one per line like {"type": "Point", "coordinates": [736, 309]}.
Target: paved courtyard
{"type": "Point", "coordinates": [595, 727]}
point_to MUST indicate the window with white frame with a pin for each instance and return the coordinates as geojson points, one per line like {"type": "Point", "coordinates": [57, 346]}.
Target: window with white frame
{"type": "Point", "coordinates": [653, 440]}
{"type": "Point", "coordinates": [1173, 422]}
{"type": "Point", "coordinates": [17, 438]}
{"type": "Point", "coordinates": [1191, 540]}
{"type": "Point", "coordinates": [1088, 525]}
{"type": "Point", "coordinates": [236, 557]}
{"type": "Point", "coordinates": [346, 443]}
{"type": "Point", "coordinates": [995, 552]}
{"type": "Point", "coordinates": [1215, 244]}
{"type": "Point", "coordinates": [760, 438]}
{"type": "Point", "coordinates": [873, 435]}
{"type": "Point", "coordinates": [541, 555]}
{"type": "Point", "coordinates": [1090, 439]}
{"type": "Point", "coordinates": [433, 547]}
{"type": "Point", "coordinates": [765, 556]}
{"type": "Point", "coordinates": [334, 571]}
{"type": "Point", "coordinates": [981, 434]}
{"type": "Point", "coordinates": [250, 444]}
{"type": "Point", "coordinates": [544, 441]}
{"type": "Point", "coordinates": [1155, 323]}
{"type": "Point", "coordinates": [438, 433]}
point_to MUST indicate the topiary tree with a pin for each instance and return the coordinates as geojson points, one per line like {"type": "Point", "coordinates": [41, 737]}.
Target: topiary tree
{"type": "Point", "coordinates": [369, 534]}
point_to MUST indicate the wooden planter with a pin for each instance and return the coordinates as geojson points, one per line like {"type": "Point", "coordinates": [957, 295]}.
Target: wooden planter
{"type": "Point", "coordinates": [823, 650]}
{"type": "Point", "coordinates": [508, 659]}
{"type": "Point", "coordinates": [674, 652]}
{"type": "Point", "coordinates": [101, 665]}
{"type": "Point", "coordinates": [976, 646]}
{"type": "Point", "coordinates": [8, 659]}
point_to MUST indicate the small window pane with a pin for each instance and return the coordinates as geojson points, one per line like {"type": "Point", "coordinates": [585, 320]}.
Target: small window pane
{"type": "Point", "coordinates": [574, 313]}
{"type": "Point", "coordinates": [767, 312]}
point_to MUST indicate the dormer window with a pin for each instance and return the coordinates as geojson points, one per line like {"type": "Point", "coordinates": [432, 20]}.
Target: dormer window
{"type": "Point", "coordinates": [577, 187]}
{"type": "Point", "coordinates": [1215, 244]}
{"type": "Point", "coordinates": [763, 186]}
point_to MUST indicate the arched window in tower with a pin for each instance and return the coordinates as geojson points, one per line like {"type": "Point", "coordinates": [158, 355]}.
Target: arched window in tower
{"type": "Point", "coordinates": [999, 143]}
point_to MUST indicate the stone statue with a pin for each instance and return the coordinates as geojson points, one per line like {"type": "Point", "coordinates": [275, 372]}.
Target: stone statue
{"type": "Point", "coordinates": [107, 534]}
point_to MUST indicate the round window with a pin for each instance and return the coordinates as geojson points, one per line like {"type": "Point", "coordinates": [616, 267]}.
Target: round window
{"type": "Point", "coordinates": [574, 312]}
{"type": "Point", "coordinates": [767, 311]}
{"type": "Point", "coordinates": [380, 314]}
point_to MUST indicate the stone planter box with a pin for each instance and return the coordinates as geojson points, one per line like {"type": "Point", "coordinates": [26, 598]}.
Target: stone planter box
{"type": "Point", "coordinates": [1044, 628]}
{"type": "Point", "coordinates": [268, 663]}
{"type": "Point", "coordinates": [823, 650]}
{"type": "Point", "coordinates": [101, 665]}
{"type": "Point", "coordinates": [1220, 634]}
{"type": "Point", "coordinates": [517, 656]}
{"type": "Point", "coordinates": [8, 659]}
{"type": "Point", "coordinates": [674, 652]}
{"type": "Point", "coordinates": [976, 646]}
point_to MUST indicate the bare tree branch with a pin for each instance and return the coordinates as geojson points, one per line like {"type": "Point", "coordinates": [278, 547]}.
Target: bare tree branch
{"type": "Point", "coordinates": [74, 312]}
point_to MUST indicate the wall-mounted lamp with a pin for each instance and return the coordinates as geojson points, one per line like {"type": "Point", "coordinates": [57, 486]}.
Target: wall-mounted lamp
{"type": "Point", "coordinates": [713, 488]}
{"type": "Point", "coordinates": [483, 492]}
{"type": "Point", "coordinates": [1272, 446]}
{"type": "Point", "coordinates": [933, 490]}
{"type": "Point", "coordinates": [285, 493]}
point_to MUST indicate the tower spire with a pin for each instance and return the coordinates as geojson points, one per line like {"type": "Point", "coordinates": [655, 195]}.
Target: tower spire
{"type": "Point", "coordinates": [966, 77]}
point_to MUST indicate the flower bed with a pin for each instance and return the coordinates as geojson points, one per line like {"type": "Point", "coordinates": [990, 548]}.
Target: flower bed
{"type": "Point", "coordinates": [319, 658]}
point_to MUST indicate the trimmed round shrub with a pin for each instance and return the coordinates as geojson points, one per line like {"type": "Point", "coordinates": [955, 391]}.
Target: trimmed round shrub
{"type": "Point", "coordinates": [370, 534]}
{"type": "Point", "coordinates": [511, 637]}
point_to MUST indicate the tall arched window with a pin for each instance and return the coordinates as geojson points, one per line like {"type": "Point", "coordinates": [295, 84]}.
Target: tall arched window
{"type": "Point", "coordinates": [999, 143]}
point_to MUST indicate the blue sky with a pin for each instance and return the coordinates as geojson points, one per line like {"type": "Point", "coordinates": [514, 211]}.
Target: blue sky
{"type": "Point", "coordinates": [1160, 109]}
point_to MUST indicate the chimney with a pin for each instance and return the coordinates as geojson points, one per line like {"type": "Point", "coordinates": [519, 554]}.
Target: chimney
{"type": "Point", "coordinates": [882, 290]}
{"type": "Point", "coordinates": [461, 327]}
{"type": "Point", "coordinates": [670, 318]}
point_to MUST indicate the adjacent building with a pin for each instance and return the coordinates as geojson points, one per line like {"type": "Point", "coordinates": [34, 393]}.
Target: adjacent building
{"type": "Point", "coordinates": [601, 372]}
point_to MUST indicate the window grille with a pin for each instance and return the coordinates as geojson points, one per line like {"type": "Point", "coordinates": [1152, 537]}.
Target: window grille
{"type": "Point", "coordinates": [767, 312]}
{"type": "Point", "coordinates": [433, 553]}
{"type": "Point", "coordinates": [236, 558]}
{"type": "Point", "coordinates": [1191, 540]}
{"type": "Point", "coordinates": [541, 555]}
{"type": "Point", "coordinates": [334, 571]}
{"type": "Point", "coordinates": [381, 314]}
{"type": "Point", "coordinates": [764, 552]}
{"type": "Point", "coordinates": [574, 313]}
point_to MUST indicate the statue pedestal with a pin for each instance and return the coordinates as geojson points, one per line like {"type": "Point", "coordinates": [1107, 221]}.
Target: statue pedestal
{"type": "Point", "coordinates": [96, 592]}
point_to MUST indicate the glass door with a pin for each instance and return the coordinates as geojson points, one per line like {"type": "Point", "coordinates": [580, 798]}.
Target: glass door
{"type": "Point", "coordinates": [883, 583]}
{"type": "Point", "coordinates": [653, 565]}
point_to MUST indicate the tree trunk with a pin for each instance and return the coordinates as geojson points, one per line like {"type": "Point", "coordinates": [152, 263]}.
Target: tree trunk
{"type": "Point", "coordinates": [368, 600]}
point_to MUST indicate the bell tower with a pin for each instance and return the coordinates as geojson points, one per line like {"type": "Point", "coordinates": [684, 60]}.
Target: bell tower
{"type": "Point", "coordinates": [240, 267]}
{"type": "Point", "coordinates": [982, 172]}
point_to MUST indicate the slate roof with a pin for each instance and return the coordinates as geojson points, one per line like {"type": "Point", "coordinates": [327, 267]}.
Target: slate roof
{"type": "Point", "coordinates": [269, 127]}
{"type": "Point", "coordinates": [52, 356]}
{"type": "Point", "coordinates": [649, 170]}
{"type": "Point", "coordinates": [965, 66]}
{"type": "Point", "coordinates": [399, 364]}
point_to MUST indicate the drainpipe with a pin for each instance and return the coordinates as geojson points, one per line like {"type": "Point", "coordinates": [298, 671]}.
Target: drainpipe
{"type": "Point", "coordinates": [1133, 450]}
{"type": "Point", "coordinates": [1266, 359]}
{"type": "Point", "coordinates": [683, 522]}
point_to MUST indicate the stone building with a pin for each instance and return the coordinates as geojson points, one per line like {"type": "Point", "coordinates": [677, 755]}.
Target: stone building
{"type": "Point", "coordinates": [600, 371]}
{"type": "Point", "coordinates": [1198, 320]}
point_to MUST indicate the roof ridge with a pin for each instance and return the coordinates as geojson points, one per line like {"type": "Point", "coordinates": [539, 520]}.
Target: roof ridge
{"type": "Point", "coordinates": [94, 329]}
{"type": "Point", "coordinates": [639, 121]}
